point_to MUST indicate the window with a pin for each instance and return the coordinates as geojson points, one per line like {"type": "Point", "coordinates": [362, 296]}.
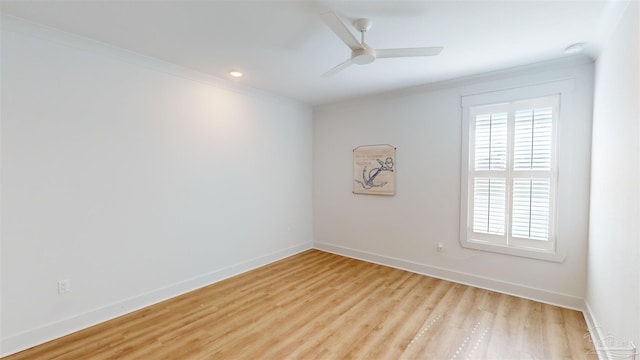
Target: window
{"type": "Point", "coordinates": [509, 175]}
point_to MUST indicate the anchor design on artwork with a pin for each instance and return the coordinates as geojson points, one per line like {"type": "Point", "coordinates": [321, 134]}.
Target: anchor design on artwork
{"type": "Point", "coordinates": [369, 177]}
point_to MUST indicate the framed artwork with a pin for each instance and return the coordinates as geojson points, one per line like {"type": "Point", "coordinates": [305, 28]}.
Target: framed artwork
{"type": "Point", "coordinates": [374, 169]}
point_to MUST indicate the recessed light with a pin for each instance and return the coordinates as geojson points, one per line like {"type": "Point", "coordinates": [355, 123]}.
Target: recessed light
{"type": "Point", "coordinates": [574, 48]}
{"type": "Point", "coordinates": [236, 73]}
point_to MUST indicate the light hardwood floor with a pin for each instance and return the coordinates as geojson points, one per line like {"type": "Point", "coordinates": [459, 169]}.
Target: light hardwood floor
{"type": "Point", "coordinates": [317, 305]}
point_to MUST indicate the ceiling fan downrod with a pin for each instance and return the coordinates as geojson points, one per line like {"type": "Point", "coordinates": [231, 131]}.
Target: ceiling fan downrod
{"type": "Point", "coordinates": [366, 55]}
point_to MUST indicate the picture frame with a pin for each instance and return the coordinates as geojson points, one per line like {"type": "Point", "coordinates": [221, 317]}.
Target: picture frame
{"type": "Point", "coordinates": [374, 169]}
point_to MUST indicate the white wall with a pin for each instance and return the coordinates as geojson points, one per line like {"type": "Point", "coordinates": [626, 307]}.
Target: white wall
{"type": "Point", "coordinates": [424, 124]}
{"type": "Point", "coordinates": [614, 233]}
{"type": "Point", "coordinates": [137, 180]}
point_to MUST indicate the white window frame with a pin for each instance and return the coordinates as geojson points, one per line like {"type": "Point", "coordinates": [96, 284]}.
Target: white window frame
{"type": "Point", "coordinates": [551, 250]}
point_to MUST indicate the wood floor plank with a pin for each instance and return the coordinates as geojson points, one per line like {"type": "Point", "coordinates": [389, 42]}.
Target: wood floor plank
{"type": "Point", "coordinates": [317, 305]}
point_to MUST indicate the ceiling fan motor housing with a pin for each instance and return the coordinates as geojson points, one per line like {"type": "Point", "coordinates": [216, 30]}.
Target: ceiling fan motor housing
{"type": "Point", "coordinates": [363, 56]}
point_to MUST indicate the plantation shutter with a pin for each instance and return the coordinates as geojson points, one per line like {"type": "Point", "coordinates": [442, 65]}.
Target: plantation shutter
{"type": "Point", "coordinates": [512, 172]}
{"type": "Point", "coordinates": [490, 193]}
{"type": "Point", "coordinates": [532, 153]}
{"type": "Point", "coordinates": [532, 139]}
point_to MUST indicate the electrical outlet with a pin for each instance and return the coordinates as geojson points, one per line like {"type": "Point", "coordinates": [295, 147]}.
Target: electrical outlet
{"type": "Point", "coordinates": [64, 286]}
{"type": "Point", "coordinates": [440, 247]}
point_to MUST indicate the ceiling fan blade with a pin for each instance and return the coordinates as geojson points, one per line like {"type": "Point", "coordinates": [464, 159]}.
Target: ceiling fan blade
{"type": "Point", "coordinates": [339, 28]}
{"type": "Point", "coordinates": [423, 51]}
{"type": "Point", "coordinates": [336, 69]}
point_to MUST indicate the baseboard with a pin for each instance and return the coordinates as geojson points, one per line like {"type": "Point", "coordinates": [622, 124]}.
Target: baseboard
{"type": "Point", "coordinates": [70, 325]}
{"type": "Point", "coordinates": [545, 296]}
{"type": "Point", "coordinates": [607, 345]}
{"type": "Point", "coordinates": [595, 331]}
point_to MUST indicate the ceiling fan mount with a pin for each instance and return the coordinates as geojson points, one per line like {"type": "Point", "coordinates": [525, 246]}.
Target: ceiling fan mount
{"type": "Point", "coordinates": [361, 53]}
{"type": "Point", "coordinates": [362, 25]}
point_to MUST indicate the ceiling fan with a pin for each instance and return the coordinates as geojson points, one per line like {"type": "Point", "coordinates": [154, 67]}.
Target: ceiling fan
{"type": "Point", "coordinates": [361, 53]}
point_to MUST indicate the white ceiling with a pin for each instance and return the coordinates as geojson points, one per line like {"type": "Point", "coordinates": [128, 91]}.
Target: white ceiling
{"type": "Point", "coordinates": [283, 47]}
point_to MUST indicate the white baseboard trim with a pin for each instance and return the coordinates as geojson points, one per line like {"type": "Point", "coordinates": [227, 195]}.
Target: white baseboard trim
{"type": "Point", "coordinates": [595, 331]}
{"type": "Point", "coordinates": [545, 296]}
{"type": "Point", "coordinates": [70, 325]}
{"type": "Point", "coordinates": [607, 345]}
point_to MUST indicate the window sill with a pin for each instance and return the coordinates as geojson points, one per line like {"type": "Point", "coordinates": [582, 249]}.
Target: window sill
{"type": "Point", "coordinates": [521, 252]}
